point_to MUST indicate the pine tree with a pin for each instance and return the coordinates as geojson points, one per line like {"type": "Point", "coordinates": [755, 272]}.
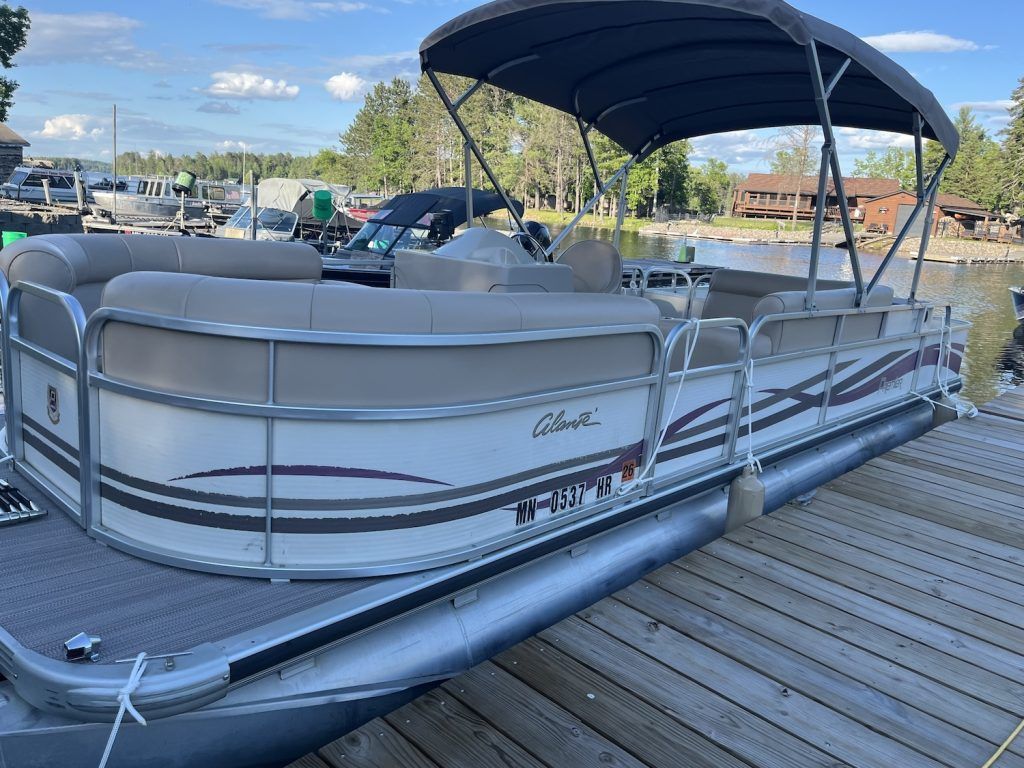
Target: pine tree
{"type": "Point", "coordinates": [1011, 185]}
{"type": "Point", "coordinates": [894, 163]}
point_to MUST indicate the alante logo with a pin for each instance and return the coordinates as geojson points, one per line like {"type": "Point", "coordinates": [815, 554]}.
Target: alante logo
{"type": "Point", "coordinates": [52, 403]}
{"type": "Point", "coordinates": [552, 422]}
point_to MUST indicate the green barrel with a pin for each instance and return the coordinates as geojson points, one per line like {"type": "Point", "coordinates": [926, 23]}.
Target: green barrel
{"type": "Point", "coordinates": [184, 183]}
{"type": "Point", "coordinates": [323, 205]}
{"type": "Point", "coordinates": [10, 237]}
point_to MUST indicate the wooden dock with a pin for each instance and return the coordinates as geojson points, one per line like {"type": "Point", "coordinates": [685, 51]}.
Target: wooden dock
{"type": "Point", "coordinates": [881, 625]}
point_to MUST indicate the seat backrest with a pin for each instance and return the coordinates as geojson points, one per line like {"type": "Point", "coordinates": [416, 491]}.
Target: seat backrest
{"type": "Point", "coordinates": [736, 292]}
{"type": "Point", "coordinates": [368, 376]}
{"type": "Point", "coordinates": [81, 265]}
{"type": "Point", "coordinates": [596, 266]}
{"type": "Point", "coordinates": [815, 332]}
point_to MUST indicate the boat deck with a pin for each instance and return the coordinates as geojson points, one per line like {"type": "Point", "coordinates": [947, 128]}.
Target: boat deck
{"type": "Point", "coordinates": [881, 625]}
{"type": "Point", "coordinates": [58, 582]}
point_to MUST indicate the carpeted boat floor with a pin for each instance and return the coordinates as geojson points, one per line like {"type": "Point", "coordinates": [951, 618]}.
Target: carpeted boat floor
{"type": "Point", "coordinates": [55, 582]}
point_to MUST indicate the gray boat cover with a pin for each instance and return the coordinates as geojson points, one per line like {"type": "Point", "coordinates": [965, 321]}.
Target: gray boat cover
{"type": "Point", "coordinates": [297, 195]}
{"type": "Point", "coordinates": [650, 72]}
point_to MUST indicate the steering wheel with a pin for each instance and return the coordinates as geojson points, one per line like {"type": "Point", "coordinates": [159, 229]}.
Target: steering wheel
{"type": "Point", "coordinates": [532, 246]}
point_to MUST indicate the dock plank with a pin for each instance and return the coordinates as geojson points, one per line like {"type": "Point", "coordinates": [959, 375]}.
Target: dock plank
{"type": "Point", "coordinates": [880, 625]}
{"type": "Point", "coordinates": [454, 736]}
{"type": "Point", "coordinates": [650, 733]}
{"type": "Point", "coordinates": [545, 729]}
{"type": "Point", "coordinates": [375, 745]}
{"type": "Point", "coordinates": [883, 696]}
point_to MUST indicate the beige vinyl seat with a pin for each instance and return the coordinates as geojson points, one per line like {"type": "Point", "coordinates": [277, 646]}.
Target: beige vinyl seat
{"type": "Point", "coordinates": [81, 265]}
{"type": "Point", "coordinates": [369, 376]}
{"type": "Point", "coordinates": [596, 266]}
{"type": "Point", "coordinates": [749, 295]}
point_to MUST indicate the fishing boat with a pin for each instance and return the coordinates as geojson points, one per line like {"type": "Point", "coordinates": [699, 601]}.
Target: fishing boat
{"type": "Point", "coordinates": [1017, 297]}
{"type": "Point", "coordinates": [154, 197]}
{"type": "Point", "coordinates": [26, 183]}
{"type": "Point", "coordinates": [285, 213]}
{"type": "Point", "coordinates": [414, 221]}
{"type": "Point", "coordinates": [250, 510]}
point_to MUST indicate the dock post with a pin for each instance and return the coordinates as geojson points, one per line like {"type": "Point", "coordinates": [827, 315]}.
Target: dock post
{"type": "Point", "coordinates": [79, 191]}
{"type": "Point", "coordinates": [46, 192]}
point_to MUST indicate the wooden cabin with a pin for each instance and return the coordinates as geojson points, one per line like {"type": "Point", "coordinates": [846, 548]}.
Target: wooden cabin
{"type": "Point", "coordinates": [12, 148]}
{"type": "Point", "coordinates": [954, 216]}
{"type": "Point", "coordinates": [774, 196]}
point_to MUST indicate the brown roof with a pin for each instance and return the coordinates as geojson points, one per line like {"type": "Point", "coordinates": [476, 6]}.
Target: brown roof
{"type": "Point", "coordinates": [855, 187]}
{"type": "Point", "coordinates": [946, 200]}
{"type": "Point", "coordinates": [9, 137]}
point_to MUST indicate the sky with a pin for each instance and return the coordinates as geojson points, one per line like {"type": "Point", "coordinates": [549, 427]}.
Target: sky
{"type": "Point", "coordinates": [289, 75]}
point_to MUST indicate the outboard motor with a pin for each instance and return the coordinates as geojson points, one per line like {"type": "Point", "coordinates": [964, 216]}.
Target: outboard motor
{"type": "Point", "coordinates": [536, 238]}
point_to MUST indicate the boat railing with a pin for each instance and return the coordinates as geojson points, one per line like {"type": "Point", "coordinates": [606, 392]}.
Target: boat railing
{"type": "Point", "coordinates": [94, 380]}
{"type": "Point", "coordinates": [14, 346]}
{"type": "Point", "coordinates": [664, 380]}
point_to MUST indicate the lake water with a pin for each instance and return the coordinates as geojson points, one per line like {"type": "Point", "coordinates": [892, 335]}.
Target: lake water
{"type": "Point", "coordinates": [977, 292]}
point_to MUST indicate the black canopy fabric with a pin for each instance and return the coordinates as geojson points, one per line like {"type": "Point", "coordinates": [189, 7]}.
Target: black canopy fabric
{"type": "Point", "coordinates": [414, 208]}
{"type": "Point", "coordinates": [665, 70]}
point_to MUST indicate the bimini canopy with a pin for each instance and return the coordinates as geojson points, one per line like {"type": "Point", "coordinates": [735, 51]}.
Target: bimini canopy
{"type": "Point", "coordinates": [649, 72]}
{"type": "Point", "coordinates": [296, 195]}
{"type": "Point", "coordinates": [415, 208]}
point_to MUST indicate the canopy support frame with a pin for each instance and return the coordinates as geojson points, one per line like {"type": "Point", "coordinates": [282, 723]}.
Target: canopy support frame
{"type": "Point", "coordinates": [928, 193]}
{"type": "Point", "coordinates": [585, 135]}
{"type": "Point", "coordinates": [829, 159]}
{"type": "Point", "coordinates": [453, 111]}
{"type": "Point", "coordinates": [620, 211]}
{"type": "Point", "coordinates": [585, 209]}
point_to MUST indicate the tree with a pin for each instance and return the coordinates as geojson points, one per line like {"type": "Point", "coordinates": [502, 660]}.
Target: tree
{"type": "Point", "coordinates": [14, 24]}
{"type": "Point", "coordinates": [380, 138]}
{"type": "Point", "coordinates": [975, 172]}
{"type": "Point", "coordinates": [1011, 186]}
{"type": "Point", "coordinates": [794, 157]}
{"type": "Point", "coordinates": [894, 163]}
{"type": "Point", "coordinates": [710, 187]}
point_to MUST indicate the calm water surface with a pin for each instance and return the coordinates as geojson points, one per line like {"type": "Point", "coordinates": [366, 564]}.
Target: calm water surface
{"type": "Point", "coordinates": [977, 292]}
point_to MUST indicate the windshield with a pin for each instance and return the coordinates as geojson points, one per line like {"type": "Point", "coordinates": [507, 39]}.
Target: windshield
{"type": "Point", "coordinates": [17, 177]}
{"type": "Point", "coordinates": [382, 239]}
{"type": "Point", "coordinates": [271, 219]}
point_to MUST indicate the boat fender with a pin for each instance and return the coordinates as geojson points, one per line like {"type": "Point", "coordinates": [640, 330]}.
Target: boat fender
{"type": "Point", "coordinates": [945, 412]}
{"type": "Point", "coordinates": [746, 499]}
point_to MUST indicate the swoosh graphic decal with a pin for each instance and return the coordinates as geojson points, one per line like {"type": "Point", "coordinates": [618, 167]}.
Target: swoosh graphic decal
{"type": "Point", "coordinates": [310, 470]}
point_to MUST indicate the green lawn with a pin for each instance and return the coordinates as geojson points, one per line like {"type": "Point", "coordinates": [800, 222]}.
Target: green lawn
{"type": "Point", "coordinates": [772, 224]}
{"type": "Point", "coordinates": [551, 218]}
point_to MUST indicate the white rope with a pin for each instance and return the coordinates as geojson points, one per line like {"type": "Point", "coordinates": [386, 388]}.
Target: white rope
{"type": "Point", "coordinates": [124, 698]}
{"type": "Point", "coordinates": [748, 374]}
{"type": "Point", "coordinates": [961, 405]}
{"type": "Point", "coordinates": [691, 345]}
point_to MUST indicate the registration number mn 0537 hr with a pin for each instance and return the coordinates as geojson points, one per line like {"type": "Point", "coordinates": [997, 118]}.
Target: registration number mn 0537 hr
{"type": "Point", "coordinates": [563, 499]}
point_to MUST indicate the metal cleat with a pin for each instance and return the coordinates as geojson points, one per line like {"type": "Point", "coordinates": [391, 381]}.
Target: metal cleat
{"type": "Point", "coordinates": [82, 647]}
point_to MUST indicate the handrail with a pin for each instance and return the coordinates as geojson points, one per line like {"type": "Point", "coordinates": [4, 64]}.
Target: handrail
{"type": "Point", "coordinates": [12, 386]}
{"type": "Point", "coordinates": [93, 380]}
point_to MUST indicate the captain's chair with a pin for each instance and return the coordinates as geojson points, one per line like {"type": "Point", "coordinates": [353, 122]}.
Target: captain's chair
{"type": "Point", "coordinates": [596, 266]}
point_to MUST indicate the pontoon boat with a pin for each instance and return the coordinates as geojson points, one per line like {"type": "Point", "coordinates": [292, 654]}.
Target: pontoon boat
{"type": "Point", "coordinates": [256, 509]}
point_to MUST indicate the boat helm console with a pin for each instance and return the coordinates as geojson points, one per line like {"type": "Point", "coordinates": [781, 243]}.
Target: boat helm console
{"type": "Point", "coordinates": [480, 260]}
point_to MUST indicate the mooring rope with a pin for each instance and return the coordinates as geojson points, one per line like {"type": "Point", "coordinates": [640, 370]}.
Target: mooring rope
{"type": "Point", "coordinates": [1005, 745]}
{"type": "Point", "coordinates": [691, 345]}
{"type": "Point", "coordinates": [124, 698]}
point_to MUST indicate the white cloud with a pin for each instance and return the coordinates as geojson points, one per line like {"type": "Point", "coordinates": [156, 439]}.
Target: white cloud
{"type": "Point", "coordinates": [248, 85]}
{"type": "Point", "coordinates": [999, 105]}
{"type": "Point", "coordinates": [346, 86]}
{"type": "Point", "coordinates": [294, 9]}
{"type": "Point", "coordinates": [72, 127]}
{"type": "Point", "coordinates": [857, 139]}
{"type": "Point", "coordinates": [922, 41]}
{"type": "Point", "coordinates": [229, 145]}
{"type": "Point", "coordinates": [734, 147]}
{"type": "Point", "coordinates": [57, 38]}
